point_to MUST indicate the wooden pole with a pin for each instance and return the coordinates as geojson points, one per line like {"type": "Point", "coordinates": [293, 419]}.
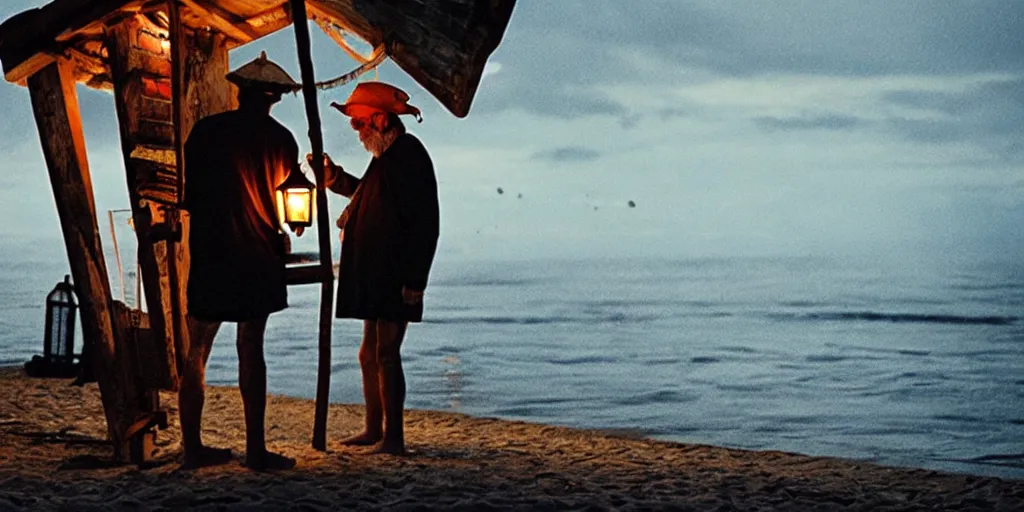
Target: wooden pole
{"type": "Point", "coordinates": [55, 103]}
{"type": "Point", "coordinates": [117, 256]}
{"type": "Point", "coordinates": [323, 380]}
{"type": "Point", "coordinates": [178, 324]}
{"type": "Point", "coordinates": [177, 95]}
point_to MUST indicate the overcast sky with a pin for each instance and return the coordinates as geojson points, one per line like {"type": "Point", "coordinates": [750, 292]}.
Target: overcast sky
{"type": "Point", "coordinates": [737, 128]}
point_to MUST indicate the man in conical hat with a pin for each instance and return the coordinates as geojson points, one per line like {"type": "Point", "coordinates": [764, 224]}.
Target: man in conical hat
{"type": "Point", "coordinates": [390, 232]}
{"type": "Point", "coordinates": [234, 162]}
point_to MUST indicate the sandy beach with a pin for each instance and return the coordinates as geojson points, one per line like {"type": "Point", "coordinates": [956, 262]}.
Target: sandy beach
{"type": "Point", "coordinates": [51, 458]}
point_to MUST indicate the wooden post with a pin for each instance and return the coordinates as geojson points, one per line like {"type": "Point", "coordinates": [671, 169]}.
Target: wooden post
{"type": "Point", "coordinates": [177, 246]}
{"type": "Point", "coordinates": [323, 380]}
{"type": "Point", "coordinates": [177, 94]}
{"type": "Point", "coordinates": [117, 255]}
{"type": "Point", "coordinates": [59, 121]}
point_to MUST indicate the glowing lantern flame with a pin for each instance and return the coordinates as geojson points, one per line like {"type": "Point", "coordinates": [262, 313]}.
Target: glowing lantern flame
{"type": "Point", "coordinates": [295, 199]}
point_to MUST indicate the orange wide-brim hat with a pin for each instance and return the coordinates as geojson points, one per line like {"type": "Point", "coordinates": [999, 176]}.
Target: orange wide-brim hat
{"type": "Point", "coordinates": [372, 97]}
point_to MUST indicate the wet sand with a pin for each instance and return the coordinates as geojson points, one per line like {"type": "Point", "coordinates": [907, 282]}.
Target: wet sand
{"type": "Point", "coordinates": [51, 458]}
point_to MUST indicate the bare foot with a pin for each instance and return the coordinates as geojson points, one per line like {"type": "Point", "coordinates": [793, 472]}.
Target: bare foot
{"type": "Point", "coordinates": [363, 439]}
{"type": "Point", "coordinates": [389, 447]}
{"type": "Point", "coordinates": [206, 456]}
{"type": "Point", "coordinates": [269, 461]}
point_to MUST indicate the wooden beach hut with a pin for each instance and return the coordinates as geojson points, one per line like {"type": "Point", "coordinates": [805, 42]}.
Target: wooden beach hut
{"type": "Point", "coordinates": [165, 61]}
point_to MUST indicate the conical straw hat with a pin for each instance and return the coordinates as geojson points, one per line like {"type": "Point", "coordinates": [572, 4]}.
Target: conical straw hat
{"type": "Point", "coordinates": [262, 73]}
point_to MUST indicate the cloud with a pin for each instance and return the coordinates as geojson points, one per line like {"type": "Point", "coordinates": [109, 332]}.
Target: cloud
{"type": "Point", "coordinates": [943, 102]}
{"type": "Point", "coordinates": [561, 102]}
{"type": "Point", "coordinates": [835, 37]}
{"type": "Point", "coordinates": [927, 131]}
{"type": "Point", "coordinates": [18, 121]}
{"type": "Point", "coordinates": [567, 154]}
{"type": "Point", "coordinates": [668, 113]}
{"type": "Point", "coordinates": [492, 68]}
{"type": "Point", "coordinates": [556, 55]}
{"type": "Point", "coordinates": [99, 119]}
{"type": "Point", "coordinates": [990, 114]}
{"type": "Point", "coordinates": [826, 122]}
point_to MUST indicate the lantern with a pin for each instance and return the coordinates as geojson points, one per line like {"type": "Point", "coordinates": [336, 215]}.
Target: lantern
{"type": "Point", "coordinates": [295, 199]}
{"type": "Point", "coordinates": [59, 338]}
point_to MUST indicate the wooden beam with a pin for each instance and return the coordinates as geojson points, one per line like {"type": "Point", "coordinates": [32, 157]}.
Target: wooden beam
{"type": "Point", "coordinates": [271, 20]}
{"type": "Point", "coordinates": [30, 35]}
{"type": "Point", "coordinates": [305, 274]}
{"type": "Point", "coordinates": [177, 250]}
{"type": "Point", "coordinates": [59, 121]}
{"type": "Point", "coordinates": [222, 20]}
{"type": "Point", "coordinates": [177, 37]}
{"type": "Point", "coordinates": [28, 67]}
{"type": "Point", "coordinates": [89, 69]}
{"type": "Point", "coordinates": [85, 63]}
{"type": "Point", "coordinates": [323, 223]}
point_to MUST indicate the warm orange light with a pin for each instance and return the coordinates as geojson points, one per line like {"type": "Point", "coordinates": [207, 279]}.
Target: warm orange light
{"type": "Point", "coordinates": [295, 206]}
{"type": "Point", "coordinates": [295, 199]}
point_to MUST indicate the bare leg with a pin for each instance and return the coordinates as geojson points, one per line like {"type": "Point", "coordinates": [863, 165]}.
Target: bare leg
{"type": "Point", "coordinates": [192, 397]}
{"type": "Point", "coordinates": [252, 381]}
{"type": "Point", "coordinates": [370, 367]}
{"type": "Point", "coordinates": [392, 385]}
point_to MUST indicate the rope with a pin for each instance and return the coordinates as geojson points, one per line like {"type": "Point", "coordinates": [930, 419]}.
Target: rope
{"type": "Point", "coordinates": [375, 60]}
{"type": "Point", "coordinates": [338, 35]}
{"type": "Point", "coordinates": [366, 64]}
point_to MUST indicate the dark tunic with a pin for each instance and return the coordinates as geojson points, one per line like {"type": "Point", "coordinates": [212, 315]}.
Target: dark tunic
{"type": "Point", "coordinates": [390, 234]}
{"type": "Point", "coordinates": [233, 164]}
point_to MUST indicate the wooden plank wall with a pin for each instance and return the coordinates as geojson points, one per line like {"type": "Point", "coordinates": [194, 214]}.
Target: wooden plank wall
{"type": "Point", "coordinates": [141, 68]}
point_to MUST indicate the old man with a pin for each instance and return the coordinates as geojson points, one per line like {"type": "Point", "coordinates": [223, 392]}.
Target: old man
{"type": "Point", "coordinates": [390, 231]}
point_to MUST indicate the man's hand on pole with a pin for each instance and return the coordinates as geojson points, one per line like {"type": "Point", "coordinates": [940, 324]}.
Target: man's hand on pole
{"type": "Point", "coordinates": [330, 168]}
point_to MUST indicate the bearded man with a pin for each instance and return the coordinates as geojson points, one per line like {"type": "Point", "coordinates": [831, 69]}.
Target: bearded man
{"type": "Point", "coordinates": [389, 231]}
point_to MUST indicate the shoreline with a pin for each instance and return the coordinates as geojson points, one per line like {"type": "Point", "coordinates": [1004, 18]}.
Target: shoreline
{"type": "Point", "coordinates": [52, 456]}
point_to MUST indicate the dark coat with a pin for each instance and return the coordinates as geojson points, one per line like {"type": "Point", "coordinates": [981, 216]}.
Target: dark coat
{"type": "Point", "coordinates": [390, 233]}
{"type": "Point", "coordinates": [233, 164]}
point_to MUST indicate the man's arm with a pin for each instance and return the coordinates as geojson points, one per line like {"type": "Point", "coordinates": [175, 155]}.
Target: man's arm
{"type": "Point", "coordinates": [419, 214]}
{"type": "Point", "coordinates": [337, 180]}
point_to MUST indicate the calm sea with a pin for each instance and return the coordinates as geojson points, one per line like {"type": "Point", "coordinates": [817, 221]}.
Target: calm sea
{"type": "Point", "coordinates": [909, 365]}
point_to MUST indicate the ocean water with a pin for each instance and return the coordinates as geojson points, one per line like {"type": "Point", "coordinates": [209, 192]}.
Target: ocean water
{"type": "Point", "coordinates": [906, 365]}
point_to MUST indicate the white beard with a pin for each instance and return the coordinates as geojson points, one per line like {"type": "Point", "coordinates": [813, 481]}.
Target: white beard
{"type": "Point", "coordinates": [378, 142]}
